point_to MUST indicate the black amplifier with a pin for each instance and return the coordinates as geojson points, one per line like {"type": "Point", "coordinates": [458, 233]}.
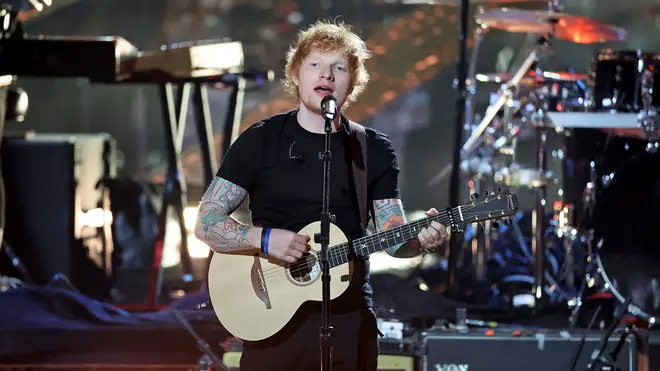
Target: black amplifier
{"type": "Point", "coordinates": [549, 350]}
{"type": "Point", "coordinates": [58, 209]}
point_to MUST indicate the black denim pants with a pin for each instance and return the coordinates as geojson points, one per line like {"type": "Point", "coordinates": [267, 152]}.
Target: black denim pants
{"type": "Point", "coordinates": [297, 348]}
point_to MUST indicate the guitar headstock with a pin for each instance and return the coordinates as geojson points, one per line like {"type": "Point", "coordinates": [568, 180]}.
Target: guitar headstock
{"type": "Point", "coordinates": [495, 206]}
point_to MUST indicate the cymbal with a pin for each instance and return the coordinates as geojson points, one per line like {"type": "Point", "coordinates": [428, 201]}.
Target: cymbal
{"type": "Point", "coordinates": [531, 78]}
{"type": "Point", "coordinates": [574, 28]}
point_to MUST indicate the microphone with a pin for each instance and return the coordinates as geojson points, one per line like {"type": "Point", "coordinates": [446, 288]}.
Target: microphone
{"type": "Point", "coordinates": [329, 106]}
{"type": "Point", "coordinates": [298, 157]}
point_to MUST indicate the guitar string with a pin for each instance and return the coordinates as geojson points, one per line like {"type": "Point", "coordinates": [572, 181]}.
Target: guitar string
{"type": "Point", "coordinates": [340, 250]}
{"type": "Point", "coordinates": [280, 272]}
{"type": "Point", "coordinates": [308, 263]}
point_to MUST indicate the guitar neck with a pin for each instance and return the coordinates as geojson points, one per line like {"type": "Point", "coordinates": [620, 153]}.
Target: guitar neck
{"type": "Point", "coordinates": [363, 246]}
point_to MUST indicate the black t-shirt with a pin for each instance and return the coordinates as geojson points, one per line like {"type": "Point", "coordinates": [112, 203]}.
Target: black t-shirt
{"type": "Point", "coordinates": [287, 193]}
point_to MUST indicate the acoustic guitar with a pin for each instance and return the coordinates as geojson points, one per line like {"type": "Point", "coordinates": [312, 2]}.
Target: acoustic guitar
{"type": "Point", "coordinates": [254, 295]}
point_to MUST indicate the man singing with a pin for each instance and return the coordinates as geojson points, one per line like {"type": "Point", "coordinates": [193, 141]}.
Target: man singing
{"type": "Point", "coordinates": [276, 162]}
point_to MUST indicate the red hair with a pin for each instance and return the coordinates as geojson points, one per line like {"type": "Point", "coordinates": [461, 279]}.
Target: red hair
{"type": "Point", "coordinates": [324, 36]}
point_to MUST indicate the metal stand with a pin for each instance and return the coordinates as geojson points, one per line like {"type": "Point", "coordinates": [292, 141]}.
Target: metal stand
{"type": "Point", "coordinates": [454, 186]}
{"type": "Point", "coordinates": [538, 244]}
{"type": "Point", "coordinates": [471, 143]}
{"type": "Point", "coordinates": [174, 192]}
{"type": "Point", "coordinates": [233, 120]}
{"type": "Point", "coordinates": [538, 219]}
{"type": "Point", "coordinates": [482, 240]}
{"type": "Point", "coordinates": [577, 302]}
{"type": "Point", "coordinates": [14, 259]}
{"type": "Point", "coordinates": [648, 116]}
{"type": "Point", "coordinates": [323, 238]}
{"type": "Point", "coordinates": [609, 363]}
{"type": "Point", "coordinates": [471, 79]}
{"type": "Point", "coordinates": [12, 28]}
{"type": "Point", "coordinates": [175, 114]}
{"type": "Point", "coordinates": [209, 361]}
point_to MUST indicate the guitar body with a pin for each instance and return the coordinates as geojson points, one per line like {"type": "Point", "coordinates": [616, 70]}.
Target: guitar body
{"type": "Point", "coordinates": [255, 296]}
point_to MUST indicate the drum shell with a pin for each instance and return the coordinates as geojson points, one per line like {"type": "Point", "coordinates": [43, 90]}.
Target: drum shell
{"type": "Point", "coordinates": [624, 218]}
{"type": "Point", "coordinates": [615, 80]}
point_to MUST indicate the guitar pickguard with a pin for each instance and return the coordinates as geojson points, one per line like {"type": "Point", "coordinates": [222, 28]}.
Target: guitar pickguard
{"type": "Point", "coordinates": [259, 283]}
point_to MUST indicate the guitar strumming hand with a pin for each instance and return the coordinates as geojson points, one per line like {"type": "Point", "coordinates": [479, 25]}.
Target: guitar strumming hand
{"type": "Point", "coordinates": [286, 245]}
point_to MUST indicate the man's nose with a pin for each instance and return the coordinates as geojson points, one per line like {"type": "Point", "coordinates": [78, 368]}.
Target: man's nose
{"type": "Point", "coordinates": [326, 73]}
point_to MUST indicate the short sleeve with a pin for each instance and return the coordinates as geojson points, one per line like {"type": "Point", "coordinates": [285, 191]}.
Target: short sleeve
{"type": "Point", "coordinates": [385, 167]}
{"type": "Point", "coordinates": [241, 162]}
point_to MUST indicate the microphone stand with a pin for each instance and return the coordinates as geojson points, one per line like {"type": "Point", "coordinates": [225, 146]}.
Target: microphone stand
{"type": "Point", "coordinates": [323, 238]}
{"type": "Point", "coordinates": [601, 358]}
{"type": "Point", "coordinates": [454, 182]}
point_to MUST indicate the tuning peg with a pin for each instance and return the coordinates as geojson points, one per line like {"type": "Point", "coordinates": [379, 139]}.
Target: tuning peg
{"type": "Point", "coordinates": [499, 189]}
{"type": "Point", "coordinates": [474, 196]}
{"type": "Point", "coordinates": [487, 193]}
{"type": "Point", "coordinates": [508, 222]}
{"type": "Point", "coordinates": [495, 224]}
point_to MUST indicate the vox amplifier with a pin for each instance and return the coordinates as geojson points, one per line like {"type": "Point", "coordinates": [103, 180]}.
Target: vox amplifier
{"type": "Point", "coordinates": [549, 350]}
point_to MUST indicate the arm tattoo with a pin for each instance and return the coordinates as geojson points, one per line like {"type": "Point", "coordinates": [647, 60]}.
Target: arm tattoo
{"type": "Point", "coordinates": [214, 224]}
{"type": "Point", "coordinates": [225, 194]}
{"type": "Point", "coordinates": [220, 231]}
{"type": "Point", "coordinates": [388, 214]}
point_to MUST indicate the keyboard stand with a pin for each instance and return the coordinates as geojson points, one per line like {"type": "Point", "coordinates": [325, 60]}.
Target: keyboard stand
{"type": "Point", "coordinates": [175, 113]}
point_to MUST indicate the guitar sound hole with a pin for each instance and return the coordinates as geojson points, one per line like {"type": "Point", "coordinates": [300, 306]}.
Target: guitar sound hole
{"type": "Point", "coordinates": [306, 269]}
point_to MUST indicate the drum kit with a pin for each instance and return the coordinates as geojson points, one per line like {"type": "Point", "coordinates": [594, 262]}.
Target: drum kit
{"type": "Point", "coordinates": [605, 161]}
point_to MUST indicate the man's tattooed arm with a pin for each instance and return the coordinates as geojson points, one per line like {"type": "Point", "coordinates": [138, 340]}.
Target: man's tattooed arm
{"type": "Point", "coordinates": [216, 227]}
{"type": "Point", "coordinates": [388, 214]}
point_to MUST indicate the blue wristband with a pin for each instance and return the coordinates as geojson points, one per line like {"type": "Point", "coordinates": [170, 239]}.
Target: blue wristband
{"type": "Point", "coordinates": [265, 235]}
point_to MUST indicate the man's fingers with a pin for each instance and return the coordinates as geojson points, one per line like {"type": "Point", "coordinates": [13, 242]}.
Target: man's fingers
{"type": "Point", "coordinates": [302, 239]}
{"type": "Point", "coordinates": [425, 235]}
{"type": "Point", "coordinates": [296, 253]}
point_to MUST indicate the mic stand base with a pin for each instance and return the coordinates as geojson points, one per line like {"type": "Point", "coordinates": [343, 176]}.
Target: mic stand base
{"type": "Point", "coordinates": [608, 362]}
{"type": "Point", "coordinates": [209, 360]}
{"type": "Point", "coordinates": [578, 301]}
{"type": "Point", "coordinates": [600, 357]}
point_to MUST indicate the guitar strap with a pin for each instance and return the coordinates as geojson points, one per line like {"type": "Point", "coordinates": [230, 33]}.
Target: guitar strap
{"type": "Point", "coordinates": [358, 154]}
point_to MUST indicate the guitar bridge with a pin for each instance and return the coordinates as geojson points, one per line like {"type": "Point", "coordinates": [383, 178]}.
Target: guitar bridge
{"type": "Point", "coordinates": [259, 282]}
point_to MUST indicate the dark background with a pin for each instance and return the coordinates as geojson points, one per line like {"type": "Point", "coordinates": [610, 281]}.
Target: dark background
{"type": "Point", "coordinates": [416, 108]}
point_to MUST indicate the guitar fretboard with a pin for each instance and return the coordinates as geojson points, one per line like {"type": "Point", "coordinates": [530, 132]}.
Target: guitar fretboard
{"type": "Point", "coordinates": [363, 246]}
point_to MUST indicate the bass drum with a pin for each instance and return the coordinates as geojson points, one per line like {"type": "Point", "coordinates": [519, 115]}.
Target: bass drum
{"type": "Point", "coordinates": [625, 217]}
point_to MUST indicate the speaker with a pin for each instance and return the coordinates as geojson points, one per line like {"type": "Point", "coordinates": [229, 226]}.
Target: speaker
{"type": "Point", "coordinates": [58, 208]}
{"type": "Point", "coordinates": [543, 350]}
